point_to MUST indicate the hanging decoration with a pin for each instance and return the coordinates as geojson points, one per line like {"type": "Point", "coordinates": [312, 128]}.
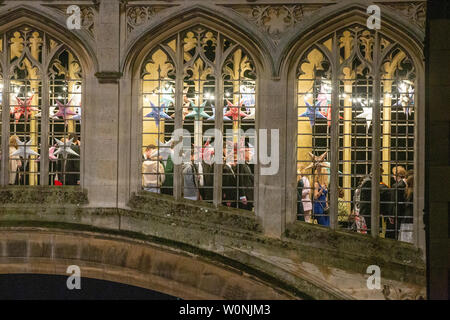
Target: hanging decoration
{"type": "Point", "coordinates": [65, 148]}
{"type": "Point", "coordinates": [23, 108]}
{"type": "Point", "coordinates": [64, 111]}
{"type": "Point", "coordinates": [318, 162]}
{"type": "Point", "coordinates": [24, 149]}
{"type": "Point", "coordinates": [198, 113]}
{"type": "Point", "coordinates": [157, 114]}
{"type": "Point", "coordinates": [367, 114]}
{"type": "Point", "coordinates": [235, 112]}
{"type": "Point", "coordinates": [164, 150]}
{"type": "Point", "coordinates": [312, 113]}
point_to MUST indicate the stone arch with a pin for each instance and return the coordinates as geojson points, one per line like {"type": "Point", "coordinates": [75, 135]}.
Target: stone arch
{"type": "Point", "coordinates": [77, 41]}
{"type": "Point", "coordinates": [338, 16]}
{"type": "Point", "coordinates": [133, 262]}
{"type": "Point", "coordinates": [140, 45]}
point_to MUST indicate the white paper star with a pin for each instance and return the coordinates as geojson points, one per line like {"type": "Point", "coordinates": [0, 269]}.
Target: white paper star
{"type": "Point", "coordinates": [163, 150]}
{"type": "Point", "coordinates": [24, 150]}
{"type": "Point", "coordinates": [64, 148]}
{"type": "Point", "coordinates": [367, 114]}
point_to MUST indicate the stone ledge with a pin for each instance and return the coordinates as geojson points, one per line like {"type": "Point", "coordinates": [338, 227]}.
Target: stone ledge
{"type": "Point", "coordinates": [164, 205]}
{"type": "Point", "coordinates": [42, 195]}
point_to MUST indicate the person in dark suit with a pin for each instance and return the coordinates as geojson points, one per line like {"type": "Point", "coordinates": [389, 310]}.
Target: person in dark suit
{"type": "Point", "coordinates": [69, 168]}
{"type": "Point", "coordinates": [398, 196]}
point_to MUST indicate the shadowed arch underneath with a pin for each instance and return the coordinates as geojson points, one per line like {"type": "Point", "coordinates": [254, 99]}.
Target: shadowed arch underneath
{"type": "Point", "coordinates": [132, 262]}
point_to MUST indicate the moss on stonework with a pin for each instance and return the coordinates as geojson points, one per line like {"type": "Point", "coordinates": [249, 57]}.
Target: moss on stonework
{"type": "Point", "coordinates": [201, 226]}
{"type": "Point", "coordinates": [43, 195]}
{"type": "Point", "coordinates": [166, 206]}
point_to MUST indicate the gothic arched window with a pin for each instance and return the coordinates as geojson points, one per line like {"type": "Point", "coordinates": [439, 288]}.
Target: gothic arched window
{"type": "Point", "coordinates": [43, 86]}
{"type": "Point", "coordinates": [193, 83]}
{"type": "Point", "coordinates": [343, 81]}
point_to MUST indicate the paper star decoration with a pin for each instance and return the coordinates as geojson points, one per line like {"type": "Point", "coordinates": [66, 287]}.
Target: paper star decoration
{"type": "Point", "coordinates": [77, 115]}
{"type": "Point", "coordinates": [367, 114]}
{"type": "Point", "coordinates": [163, 150]}
{"type": "Point", "coordinates": [198, 113]}
{"type": "Point", "coordinates": [235, 111]}
{"type": "Point", "coordinates": [251, 114]}
{"type": "Point", "coordinates": [312, 113]}
{"type": "Point", "coordinates": [24, 150]}
{"type": "Point", "coordinates": [406, 98]}
{"type": "Point", "coordinates": [166, 97]}
{"type": "Point", "coordinates": [328, 115]}
{"type": "Point", "coordinates": [51, 154]}
{"type": "Point", "coordinates": [23, 108]}
{"type": "Point", "coordinates": [317, 162]}
{"type": "Point", "coordinates": [64, 111]}
{"type": "Point", "coordinates": [64, 148]}
{"type": "Point", "coordinates": [214, 114]}
{"type": "Point", "coordinates": [248, 96]}
{"type": "Point", "coordinates": [157, 114]}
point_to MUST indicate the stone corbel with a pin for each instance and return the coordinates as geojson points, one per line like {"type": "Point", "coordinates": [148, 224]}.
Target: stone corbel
{"type": "Point", "coordinates": [108, 76]}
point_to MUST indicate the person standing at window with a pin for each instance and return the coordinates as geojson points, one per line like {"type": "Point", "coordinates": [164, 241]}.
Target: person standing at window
{"type": "Point", "coordinates": [398, 194]}
{"type": "Point", "coordinates": [406, 222]}
{"type": "Point", "coordinates": [320, 198]}
{"type": "Point", "coordinates": [304, 196]}
{"type": "Point", "coordinates": [152, 171]}
{"type": "Point", "coordinates": [14, 162]}
{"type": "Point", "coordinates": [73, 162]}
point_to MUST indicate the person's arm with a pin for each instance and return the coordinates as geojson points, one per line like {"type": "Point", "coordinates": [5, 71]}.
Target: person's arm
{"type": "Point", "coordinates": [317, 190]}
{"type": "Point", "coordinates": [306, 188]}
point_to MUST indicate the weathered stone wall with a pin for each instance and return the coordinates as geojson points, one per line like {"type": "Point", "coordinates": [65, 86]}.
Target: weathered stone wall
{"type": "Point", "coordinates": [308, 262]}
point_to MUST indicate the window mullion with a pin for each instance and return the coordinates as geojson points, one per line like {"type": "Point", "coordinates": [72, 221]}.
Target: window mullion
{"type": "Point", "coordinates": [44, 131]}
{"type": "Point", "coordinates": [218, 124]}
{"type": "Point", "coordinates": [177, 192]}
{"type": "Point", "coordinates": [5, 130]}
{"type": "Point", "coordinates": [376, 130]}
{"type": "Point", "coordinates": [334, 143]}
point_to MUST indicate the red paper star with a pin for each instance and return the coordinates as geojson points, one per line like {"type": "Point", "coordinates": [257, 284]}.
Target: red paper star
{"type": "Point", "coordinates": [235, 111]}
{"type": "Point", "coordinates": [328, 115]}
{"type": "Point", "coordinates": [23, 108]}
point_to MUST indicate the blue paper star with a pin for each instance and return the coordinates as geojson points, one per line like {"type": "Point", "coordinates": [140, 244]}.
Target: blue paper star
{"type": "Point", "coordinates": [157, 114]}
{"type": "Point", "coordinates": [312, 113]}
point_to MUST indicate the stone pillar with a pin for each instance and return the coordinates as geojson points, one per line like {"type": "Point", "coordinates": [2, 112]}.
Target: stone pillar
{"type": "Point", "coordinates": [271, 206]}
{"type": "Point", "coordinates": [437, 188]}
{"type": "Point", "coordinates": [101, 132]}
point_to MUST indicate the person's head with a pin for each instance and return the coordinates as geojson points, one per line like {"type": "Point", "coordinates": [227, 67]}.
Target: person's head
{"type": "Point", "coordinates": [74, 138]}
{"type": "Point", "coordinates": [341, 193]}
{"type": "Point", "coordinates": [13, 141]}
{"type": "Point", "coordinates": [321, 176]}
{"type": "Point", "coordinates": [409, 187]}
{"type": "Point", "coordinates": [409, 173]}
{"type": "Point", "coordinates": [399, 173]}
{"type": "Point", "coordinates": [149, 150]}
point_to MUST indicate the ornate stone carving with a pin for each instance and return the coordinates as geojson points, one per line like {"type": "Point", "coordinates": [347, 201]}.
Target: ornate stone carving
{"type": "Point", "coordinates": [138, 16]}
{"type": "Point", "coordinates": [276, 20]}
{"type": "Point", "coordinates": [87, 12]}
{"type": "Point", "coordinates": [415, 12]}
{"type": "Point", "coordinates": [87, 19]}
{"type": "Point", "coordinates": [391, 293]}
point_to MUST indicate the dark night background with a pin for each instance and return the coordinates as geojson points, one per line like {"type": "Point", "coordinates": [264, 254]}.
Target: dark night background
{"type": "Point", "coordinates": [53, 287]}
